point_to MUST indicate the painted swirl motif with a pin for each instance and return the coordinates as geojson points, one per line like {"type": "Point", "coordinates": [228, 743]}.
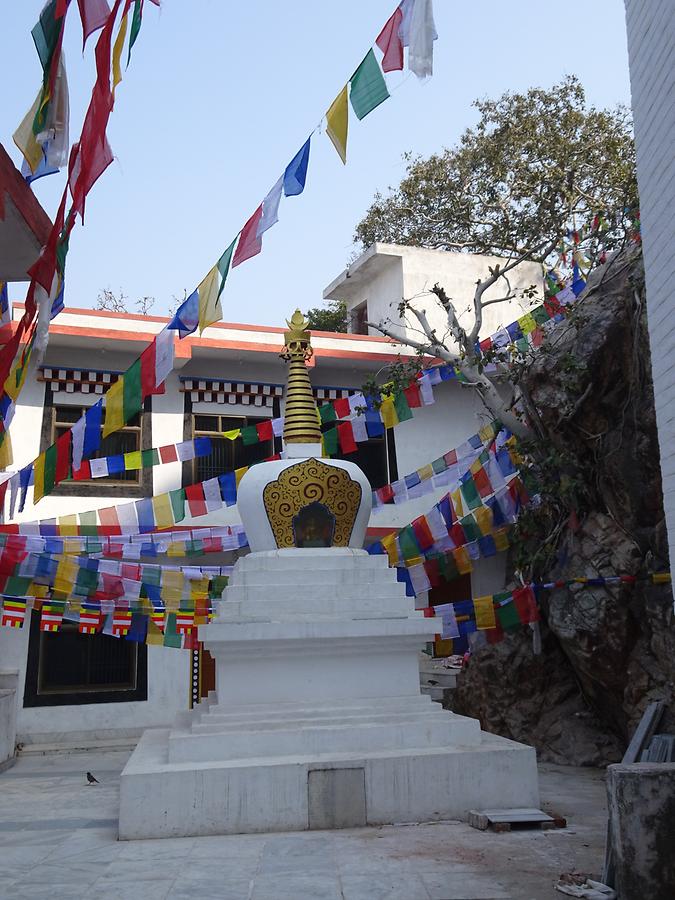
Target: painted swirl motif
{"type": "Point", "coordinates": [312, 481]}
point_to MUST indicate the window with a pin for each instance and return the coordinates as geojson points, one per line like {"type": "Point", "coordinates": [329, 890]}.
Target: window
{"type": "Point", "coordinates": [69, 668]}
{"type": "Point", "coordinates": [226, 455]}
{"type": "Point", "coordinates": [359, 319]}
{"type": "Point", "coordinates": [126, 440]}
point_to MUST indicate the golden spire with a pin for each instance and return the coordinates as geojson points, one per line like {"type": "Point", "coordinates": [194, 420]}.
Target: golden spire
{"type": "Point", "coordinates": [301, 418]}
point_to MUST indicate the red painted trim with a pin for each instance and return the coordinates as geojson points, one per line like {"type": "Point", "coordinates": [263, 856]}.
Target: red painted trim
{"type": "Point", "coordinates": [12, 183]}
{"type": "Point", "coordinates": [378, 531]}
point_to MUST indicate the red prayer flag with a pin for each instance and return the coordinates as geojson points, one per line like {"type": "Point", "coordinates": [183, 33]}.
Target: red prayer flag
{"type": "Point", "coordinates": [3, 491]}
{"type": "Point", "coordinates": [265, 431]}
{"type": "Point", "coordinates": [482, 482]}
{"type": "Point", "coordinates": [412, 395]}
{"type": "Point", "coordinates": [149, 372]}
{"type": "Point", "coordinates": [168, 454]}
{"type": "Point", "coordinates": [537, 336]}
{"type": "Point", "coordinates": [390, 43]}
{"type": "Point", "coordinates": [486, 344]}
{"type": "Point", "coordinates": [526, 605]}
{"type": "Point", "coordinates": [62, 469]}
{"type": "Point", "coordinates": [386, 493]}
{"type": "Point", "coordinates": [83, 473]}
{"type": "Point", "coordinates": [341, 408]}
{"type": "Point", "coordinates": [433, 569]}
{"type": "Point", "coordinates": [249, 243]}
{"type": "Point", "coordinates": [346, 437]}
{"type": "Point", "coordinates": [450, 457]}
{"type": "Point", "coordinates": [494, 635]}
{"type": "Point", "coordinates": [194, 494]}
{"type": "Point", "coordinates": [422, 533]}
{"type": "Point", "coordinates": [457, 535]}
{"type": "Point", "coordinates": [94, 14]}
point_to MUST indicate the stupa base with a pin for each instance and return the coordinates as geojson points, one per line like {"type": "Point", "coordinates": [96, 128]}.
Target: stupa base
{"type": "Point", "coordinates": [340, 790]}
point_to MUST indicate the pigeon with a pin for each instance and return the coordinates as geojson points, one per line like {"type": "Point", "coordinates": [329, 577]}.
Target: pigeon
{"type": "Point", "coordinates": [91, 779]}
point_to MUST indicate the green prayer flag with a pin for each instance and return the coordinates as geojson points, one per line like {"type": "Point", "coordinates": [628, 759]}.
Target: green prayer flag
{"type": "Point", "coordinates": [327, 413]}
{"type": "Point", "coordinates": [439, 465]}
{"type": "Point", "coordinates": [448, 566]}
{"type": "Point", "coordinates": [330, 441]}
{"type": "Point", "coordinates": [88, 526]}
{"type": "Point", "coordinates": [149, 458]}
{"type": "Point", "coordinates": [403, 411]}
{"type": "Point", "coordinates": [461, 377]}
{"type": "Point", "coordinates": [132, 401]}
{"type": "Point", "coordinates": [177, 499]}
{"type": "Point", "coordinates": [223, 265]}
{"type": "Point", "coordinates": [151, 575]}
{"type": "Point", "coordinates": [540, 315]}
{"type": "Point", "coordinates": [50, 469]}
{"type": "Point", "coordinates": [368, 87]}
{"type": "Point", "coordinates": [470, 528]}
{"type": "Point", "coordinates": [86, 583]}
{"type": "Point", "coordinates": [470, 493]}
{"type": "Point", "coordinates": [249, 435]}
{"type": "Point", "coordinates": [523, 344]}
{"type": "Point", "coordinates": [508, 616]}
{"type": "Point", "coordinates": [171, 636]}
{"type": "Point", "coordinates": [17, 585]}
{"type": "Point", "coordinates": [135, 26]}
{"type": "Point", "coordinates": [217, 586]}
{"type": "Point", "coordinates": [408, 544]}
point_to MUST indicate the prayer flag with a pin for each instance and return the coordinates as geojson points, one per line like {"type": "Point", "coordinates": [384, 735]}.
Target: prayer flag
{"type": "Point", "coordinates": [469, 491]}
{"type": "Point", "coordinates": [94, 14]}
{"type": "Point", "coordinates": [117, 51]}
{"type": "Point", "coordinates": [186, 317]}
{"type": "Point", "coordinates": [526, 604]}
{"type": "Point", "coordinates": [426, 390]}
{"type": "Point", "coordinates": [264, 429]}
{"type": "Point", "coordinates": [389, 42]}
{"type": "Point", "coordinates": [368, 87]}
{"type": "Point", "coordinates": [270, 208]}
{"type": "Point", "coordinates": [13, 612]}
{"type": "Point", "coordinates": [296, 171]}
{"type": "Point", "coordinates": [402, 408]}
{"type": "Point", "coordinates": [163, 511]}
{"type": "Point", "coordinates": [346, 437]}
{"type": "Point", "coordinates": [177, 499]}
{"type": "Point", "coordinates": [249, 243]}
{"type": "Point", "coordinates": [123, 400]}
{"type": "Point", "coordinates": [413, 396]}
{"type": "Point", "coordinates": [337, 123]}
{"type": "Point", "coordinates": [210, 310]}
{"type": "Point", "coordinates": [327, 413]}
{"type": "Point", "coordinates": [507, 614]}
{"type": "Point", "coordinates": [194, 494]}
{"type": "Point", "coordinates": [223, 265]}
{"type": "Point", "coordinates": [422, 533]}
{"type": "Point", "coordinates": [388, 412]}
{"type": "Point", "coordinates": [330, 442]}
{"type": "Point", "coordinates": [485, 612]}
{"type": "Point", "coordinates": [420, 35]}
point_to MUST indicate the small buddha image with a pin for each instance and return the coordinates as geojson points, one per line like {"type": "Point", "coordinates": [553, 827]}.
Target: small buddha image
{"type": "Point", "coordinates": [314, 526]}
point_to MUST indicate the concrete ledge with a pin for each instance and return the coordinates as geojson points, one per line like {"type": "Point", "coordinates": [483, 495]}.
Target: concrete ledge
{"type": "Point", "coordinates": [161, 799]}
{"type": "Point", "coordinates": [641, 801]}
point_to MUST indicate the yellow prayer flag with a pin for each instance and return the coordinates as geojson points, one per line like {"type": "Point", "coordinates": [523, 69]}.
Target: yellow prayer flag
{"type": "Point", "coordinates": [210, 310]}
{"type": "Point", "coordinates": [487, 432]}
{"type": "Point", "coordinates": [68, 528]}
{"type": "Point", "coordinates": [66, 574]}
{"type": "Point", "coordinates": [388, 412]}
{"type": "Point", "coordinates": [239, 474]}
{"type": "Point", "coordinates": [175, 548]}
{"type": "Point", "coordinates": [38, 590]}
{"type": "Point", "coordinates": [172, 595]}
{"type": "Point", "coordinates": [154, 635]}
{"type": "Point", "coordinates": [117, 52]}
{"type": "Point", "coordinates": [162, 509]}
{"type": "Point", "coordinates": [484, 519]}
{"type": "Point", "coordinates": [485, 612]}
{"type": "Point", "coordinates": [6, 455]}
{"type": "Point", "coordinates": [501, 539]}
{"type": "Point", "coordinates": [426, 472]}
{"type": "Point", "coordinates": [39, 478]}
{"type": "Point", "coordinates": [527, 323]}
{"type": "Point", "coordinates": [25, 139]}
{"type": "Point", "coordinates": [231, 435]}
{"type": "Point", "coordinates": [337, 123]}
{"type": "Point", "coordinates": [389, 544]}
{"type": "Point", "coordinates": [114, 407]}
{"type": "Point", "coordinates": [462, 561]}
{"type": "Point", "coordinates": [133, 460]}
{"type": "Point", "coordinates": [456, 497]}
{"type": "Point", "coordinates": [172, 579]}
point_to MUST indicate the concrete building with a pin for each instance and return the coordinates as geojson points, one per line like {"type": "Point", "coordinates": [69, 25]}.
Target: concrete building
{"type": "Point", "coordinates": [229, 377]}
{"type": "Point", "coordinates": [385, 274]}
{"type": "Point", "coordinates": [651, 51]}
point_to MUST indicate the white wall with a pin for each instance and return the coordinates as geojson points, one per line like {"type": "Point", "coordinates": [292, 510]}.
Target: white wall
{"type": "Point", "coordinates": [651, 52]}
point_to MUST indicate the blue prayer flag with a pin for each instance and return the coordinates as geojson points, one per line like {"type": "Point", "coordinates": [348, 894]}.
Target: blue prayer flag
{"type": "Point", "coordinates": [138, 628]}
{"type": "Point", "coordinates": [228, 488]}
{"type": "Point", "coordinates": [186, 319]}
{"type": "Point", "coordinates": [296, 171]}
{"type": "Point", "coordinates": [145, 514]}
{"type": "Point", "coordinates": [92, 429]}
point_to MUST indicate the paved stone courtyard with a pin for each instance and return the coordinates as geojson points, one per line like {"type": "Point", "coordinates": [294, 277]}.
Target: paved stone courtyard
{"type": "Point", "coordinates": [58, 840]}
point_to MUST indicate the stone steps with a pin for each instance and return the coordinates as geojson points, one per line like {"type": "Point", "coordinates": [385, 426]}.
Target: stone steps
{"type": "Point", "coordinates": [211, 727]}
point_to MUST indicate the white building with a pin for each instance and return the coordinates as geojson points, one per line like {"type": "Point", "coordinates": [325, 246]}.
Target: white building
{"type": "Point", "coordinates": [651, 51]}
{"type": "Point", "coordinates": [229, 377]}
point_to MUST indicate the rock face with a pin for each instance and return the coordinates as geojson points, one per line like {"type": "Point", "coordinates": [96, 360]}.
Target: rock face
{"type": "Point", "coordinates": [606, 651]}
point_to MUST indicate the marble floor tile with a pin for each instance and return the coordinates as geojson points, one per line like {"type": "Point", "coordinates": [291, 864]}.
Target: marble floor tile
{"type": "Point", "coordinates": [455, 885]}
{"type": "Point", "coordinates": [31, 891]}
{"type": "Point", "coordinates": [211, 889]}
{"type": "Point", "coordinates": [383, 886]}
{"type": "Point", "coordinates": [114, 889]}
{"type": "Point", "coordinates": [144, 870]}
{"type": "Point", "coordinates": [167, 848]}
{"type": "Point", "coordinates": [296, 887]}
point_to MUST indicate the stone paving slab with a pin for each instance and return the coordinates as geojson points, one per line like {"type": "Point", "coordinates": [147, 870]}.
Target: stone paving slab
{"type": "Point", "coordinates": [58, 841]}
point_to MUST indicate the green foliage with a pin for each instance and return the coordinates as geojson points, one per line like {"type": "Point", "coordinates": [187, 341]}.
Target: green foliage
{"type": "Point", "coordinates": [537, 164]}
{"type": "Point", "coordinates": [393, 378]}
{"type": "Point", "coordinates": [331, 318]}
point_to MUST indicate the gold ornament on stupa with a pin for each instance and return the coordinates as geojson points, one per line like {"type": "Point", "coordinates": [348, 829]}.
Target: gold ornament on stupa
{"type": "Point", "coordinates": [301, 417]}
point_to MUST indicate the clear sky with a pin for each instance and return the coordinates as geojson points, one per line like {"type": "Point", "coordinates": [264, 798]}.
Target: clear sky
{"type": "Point", "coordinates": [218, 98]}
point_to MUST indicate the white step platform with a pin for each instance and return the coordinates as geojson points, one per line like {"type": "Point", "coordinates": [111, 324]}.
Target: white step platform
{"type": "Point", "coordinates": [318, 720]}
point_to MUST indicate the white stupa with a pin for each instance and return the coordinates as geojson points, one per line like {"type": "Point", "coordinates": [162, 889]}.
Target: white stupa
{"type": "Point", "coordinates": [318, 720]}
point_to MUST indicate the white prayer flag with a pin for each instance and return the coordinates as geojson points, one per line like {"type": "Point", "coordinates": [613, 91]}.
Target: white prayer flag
{"type": "Point", "coordinates": [164, 349]}
{"type": "Point", "coordinates": [270, 208]}
{"type": "Point", "coordinates": [212, 494]}
{"type": "Point", "coordinates": [426, 390]}
{"type": "Point", "coordinates": [99, 467]}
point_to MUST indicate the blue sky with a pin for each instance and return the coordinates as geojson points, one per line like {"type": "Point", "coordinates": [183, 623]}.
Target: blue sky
{"type": "Point", "coordinates": [218, 98]}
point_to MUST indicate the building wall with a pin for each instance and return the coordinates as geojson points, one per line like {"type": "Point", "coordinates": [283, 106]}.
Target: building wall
{"type": "Point", "coordinates": [410, 273]}
{"type": "Point", "coordinates": [651, 51]}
